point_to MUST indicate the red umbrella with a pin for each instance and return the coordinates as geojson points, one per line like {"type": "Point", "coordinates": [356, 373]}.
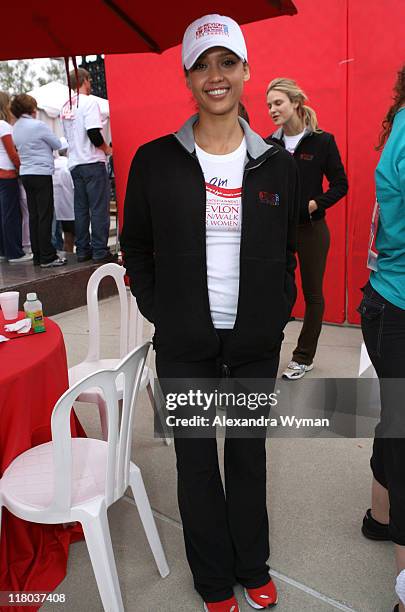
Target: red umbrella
{"type": "Point", "coordinates": [47, 28]}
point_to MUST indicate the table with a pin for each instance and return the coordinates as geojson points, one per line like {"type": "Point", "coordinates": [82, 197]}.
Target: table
{"type": "Point", "coordinates": [33, 375]}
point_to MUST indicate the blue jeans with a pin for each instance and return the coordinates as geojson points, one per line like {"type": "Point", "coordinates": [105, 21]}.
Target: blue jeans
{"type": "Point", "coordinates": [91, 204]}
{"type": "Point", "coordinates": [57, 238]}
{"type": "Point", "coordinates": [10, 219]}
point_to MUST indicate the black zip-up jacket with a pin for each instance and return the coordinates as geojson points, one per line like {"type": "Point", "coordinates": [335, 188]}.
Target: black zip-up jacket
{"type": "Point", "coordinates": [164, 245]}
{"type": "Point", "coordinates": [317, 156]}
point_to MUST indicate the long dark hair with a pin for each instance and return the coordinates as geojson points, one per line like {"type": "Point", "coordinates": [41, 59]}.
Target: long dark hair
{"type": "Point", "coordinates": [5, 113]}
{"type": "Point", "coordinates": [399, 100]}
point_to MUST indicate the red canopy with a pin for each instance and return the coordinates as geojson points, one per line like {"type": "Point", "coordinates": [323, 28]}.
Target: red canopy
{"type": "Point", "coordinates": [47, 28]}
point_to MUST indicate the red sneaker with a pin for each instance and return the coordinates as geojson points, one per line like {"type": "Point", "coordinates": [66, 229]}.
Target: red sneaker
{"type": "Point", "coordinates": [226, 605]}
{"type": "Point", "coordinates": [262, 597]}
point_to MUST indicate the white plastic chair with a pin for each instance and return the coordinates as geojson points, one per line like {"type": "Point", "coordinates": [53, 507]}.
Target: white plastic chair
{"type": "Point", "coordinates": [366, 368]}
{"type": "Point", "coordinates": [93, 362]}
{"type": "Point", "coordinates": [135, 338]}
{"type": "Point", "coordinates": [77, 479]}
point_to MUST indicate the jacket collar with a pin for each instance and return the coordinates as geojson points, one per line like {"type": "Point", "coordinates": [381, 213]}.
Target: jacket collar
{"type": "Point", "coordinates": [278, 134]}
{"type": "Point", "coordinates": [255, 144]}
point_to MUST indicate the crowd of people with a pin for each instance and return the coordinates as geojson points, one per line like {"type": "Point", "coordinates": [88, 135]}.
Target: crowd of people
{"type": "Point", "coordinates": [35, 165]}
{"type": "Point", "coordinates": [212, 265]}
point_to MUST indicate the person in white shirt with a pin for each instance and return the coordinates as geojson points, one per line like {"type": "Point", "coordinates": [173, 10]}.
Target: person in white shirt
{"type": "Point", "coordinates": [64, 197]}
{"type": "Point", "coordinates": [10, 214]}
{"type": "Point", "coordinates": [82, 125]}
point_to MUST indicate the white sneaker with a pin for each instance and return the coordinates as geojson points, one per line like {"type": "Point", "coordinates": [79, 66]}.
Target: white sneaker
{"type": "Point", "coordinates": [3, 258]}
{"type": "Point", "coordinates": [54, 264]}
{"type": "Point", "coordinates": [296, 370]}
{"type": "Point", "coordinates": [400, 586]}
{"type": "Point", "coordinates": [233, 608]}
{"type": "Point", "coordinates": [23, 259]}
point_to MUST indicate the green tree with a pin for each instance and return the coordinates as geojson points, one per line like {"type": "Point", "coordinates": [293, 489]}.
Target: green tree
{"type": "Point", "coordinates": [16, 76]}
{"type": "Point", "coordinates": [19, 76]}
{"type": "Point", "coordinates": [54, 71]}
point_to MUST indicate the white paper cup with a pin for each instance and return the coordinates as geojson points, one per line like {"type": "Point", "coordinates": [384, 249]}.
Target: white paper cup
{"type": "Point", "coordinates": [9, 304]}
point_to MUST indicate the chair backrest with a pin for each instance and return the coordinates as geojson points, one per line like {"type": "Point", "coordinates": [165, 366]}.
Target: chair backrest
{"type": "Point", "coordinates": [119, 435]}
{"type": "Point", "coordinates": [117, 273]}
{"type": "Point", "coordinates": [135, 334]}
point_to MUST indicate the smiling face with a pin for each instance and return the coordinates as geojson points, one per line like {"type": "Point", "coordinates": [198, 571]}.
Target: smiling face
{"type": "Point", "coordinates": [281, 109]}
{"type": "Point", "coordinates": [216, 81]}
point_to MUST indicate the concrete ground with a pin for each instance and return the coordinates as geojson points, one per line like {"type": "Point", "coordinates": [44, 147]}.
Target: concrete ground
{"type": "Point", "coordinates": [318, 490]}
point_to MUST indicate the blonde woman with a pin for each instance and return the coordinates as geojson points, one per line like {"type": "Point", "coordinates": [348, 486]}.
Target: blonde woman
{"type": "Point", "coordinates": [10, 213]}
{"type": "Point", "coordinates": [317, 156]}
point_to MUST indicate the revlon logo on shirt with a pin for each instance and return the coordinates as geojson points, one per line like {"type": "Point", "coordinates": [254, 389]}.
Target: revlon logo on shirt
{"type": "Point", "coordinates": [222, 215]}
{"type": "Point", "coordinates": [306, 156]}
{"type": "Point", "coordinates": [223, 207]}
{"type": "Point", "coordinates": [270, 199]}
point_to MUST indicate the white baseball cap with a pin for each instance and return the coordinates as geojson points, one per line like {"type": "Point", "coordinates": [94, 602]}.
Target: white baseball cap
{"type": "Point", "coordinates": [212, 31]}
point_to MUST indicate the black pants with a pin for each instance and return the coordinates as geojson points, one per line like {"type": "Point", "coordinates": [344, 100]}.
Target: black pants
{"type": "Point", "coordinates": [226, 532]}
{"type": "Point", "coordinates": [383, 326]}
{"type": "Point", "coordinates": [39, 190]}
{"type": "Point", "coordinates": [10, 219]}
{"type": "Point", "coordinates": [313, 240]}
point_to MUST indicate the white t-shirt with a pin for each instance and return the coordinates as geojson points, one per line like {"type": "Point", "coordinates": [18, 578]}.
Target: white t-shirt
{"type": "Point", "coordinates": [76, 120]}
{"type": "Point", "coordinates": [292, 141]}
{"type": "Point", "coordinates": [223, 220]}
{"type": "Point", "coordinates": [63, 190]}
{"type": "Point", "coordinates": [5, 161]}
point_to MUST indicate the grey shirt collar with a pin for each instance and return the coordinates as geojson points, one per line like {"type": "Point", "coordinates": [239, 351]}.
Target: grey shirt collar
{"type": "Point", "coordinates": [280, 133]}
{"type": "Point", "coordinates": [255, 144]}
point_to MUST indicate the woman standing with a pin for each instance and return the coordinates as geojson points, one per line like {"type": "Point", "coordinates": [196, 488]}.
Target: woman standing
{"type": "Point", "coordinates": [10, 213]}
{"type": "Point", "coordinates": [208, 241]}
{"type": "Point", "coordinates": [316, 155]}
{"type": "Point", "coordinates": [35, 143]}
{"type": "Point", "coordinates": [383, 324]}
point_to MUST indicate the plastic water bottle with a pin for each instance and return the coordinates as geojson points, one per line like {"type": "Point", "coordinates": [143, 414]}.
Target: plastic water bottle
{"type": "Point", "coordinates": [33, 310]}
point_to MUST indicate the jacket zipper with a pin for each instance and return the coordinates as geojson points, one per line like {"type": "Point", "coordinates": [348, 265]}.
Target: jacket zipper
{"type": "Point", "coordinates": [307, 135]}
{"type": "Point", "coordinates": [298, 144]}
{"type": "Point", "coordinates": [207, 301]}
{"type": "Point", "coordinates": [300, 141]}
{"type": "Point", "coordinates": [245, 173]}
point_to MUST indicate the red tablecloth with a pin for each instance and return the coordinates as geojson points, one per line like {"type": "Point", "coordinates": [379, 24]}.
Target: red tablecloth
{"type": "Point", "coordinates": [33, 375]}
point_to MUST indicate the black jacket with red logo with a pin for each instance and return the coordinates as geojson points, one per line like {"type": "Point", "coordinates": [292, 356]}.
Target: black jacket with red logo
{"type": "Point", "coordinates": [317, 156]}
{"type": "Point", "coordinates": [164, 245]}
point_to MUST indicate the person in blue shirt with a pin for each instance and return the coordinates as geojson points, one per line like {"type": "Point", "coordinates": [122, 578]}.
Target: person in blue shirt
{"type": "Point", "coordinates": [35, 143]}
{"type": "Point", "coordinates": [383, 324]}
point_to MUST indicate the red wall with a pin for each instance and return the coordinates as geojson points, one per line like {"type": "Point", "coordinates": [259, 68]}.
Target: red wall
{"type": "Point", "coordinates": [377, 50]}
{"type": "Point", "coordinates": [346, 65]}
